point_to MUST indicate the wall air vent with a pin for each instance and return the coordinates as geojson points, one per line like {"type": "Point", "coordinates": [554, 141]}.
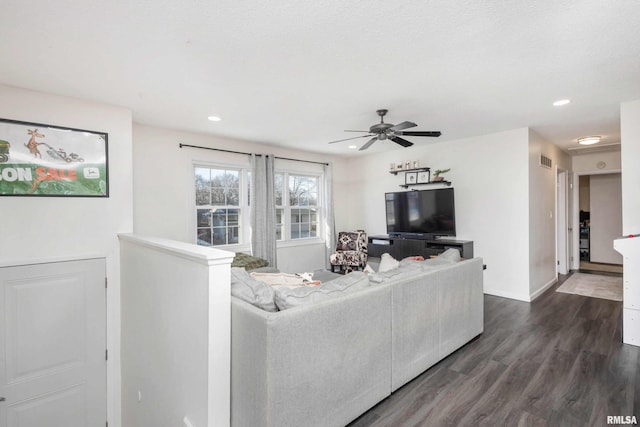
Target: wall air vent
{"type": "Point", "coordinates": [545, 161]}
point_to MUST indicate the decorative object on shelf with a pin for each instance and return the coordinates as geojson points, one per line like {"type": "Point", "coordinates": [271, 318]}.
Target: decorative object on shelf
{"type": "Point", "coordinates": [437, 173]}
{"type": "Point", "coordinates": [400, 166]}
{"type": "Point", "coordinates": [423, 177]}
{"type": "Point", "coordinates": [392, 167]}
{"type": "Point", "coordinates": [418, 176]}
{"type": "Point", "coordinates": [410, 178]}
{"type": "Point", "coordinates": [407, 165]}
{"type": "Point", "coordinates": [399, 169]}
{"type": "Point", "coordinates": [416, 164]}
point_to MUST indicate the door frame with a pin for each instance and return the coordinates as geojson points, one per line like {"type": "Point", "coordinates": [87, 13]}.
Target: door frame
{"type": "Point", "coordinates": [575, 250]}
{"type": "Point", "coordinates": [563, 223]}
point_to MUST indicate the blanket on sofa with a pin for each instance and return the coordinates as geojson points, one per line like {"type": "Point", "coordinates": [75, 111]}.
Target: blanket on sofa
{"type": "Point", "coordinates": [284, 279]}
{"type": "Point", "coordinates": [248, 262]}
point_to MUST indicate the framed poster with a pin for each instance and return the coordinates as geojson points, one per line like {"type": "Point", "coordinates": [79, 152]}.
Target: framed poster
{"type": "Point", "coordinates": [424, 177]}
{"type": "Point", "coordinates": [53, 161]}
{"type": "Point", "coordinates": [410, 177]}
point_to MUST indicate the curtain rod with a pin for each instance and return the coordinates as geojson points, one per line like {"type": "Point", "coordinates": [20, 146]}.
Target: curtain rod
{"type": "Point", "coordinates": [248, 154]}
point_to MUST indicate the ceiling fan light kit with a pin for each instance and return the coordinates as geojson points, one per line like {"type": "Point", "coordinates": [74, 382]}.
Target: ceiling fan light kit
{"type": "Point", "coordinates": [381, 131]}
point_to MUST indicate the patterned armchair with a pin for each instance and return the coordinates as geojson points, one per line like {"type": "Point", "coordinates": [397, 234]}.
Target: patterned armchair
{"type": "Point", "coordinates": [351, 251]}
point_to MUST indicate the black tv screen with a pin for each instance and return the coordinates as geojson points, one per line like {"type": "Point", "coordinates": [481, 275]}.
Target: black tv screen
{"type": "Point", "coordinates": [421, 214]}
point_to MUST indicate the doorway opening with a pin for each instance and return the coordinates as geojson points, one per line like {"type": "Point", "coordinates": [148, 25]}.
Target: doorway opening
{"type": "Point", "coordinates": [598, 213]}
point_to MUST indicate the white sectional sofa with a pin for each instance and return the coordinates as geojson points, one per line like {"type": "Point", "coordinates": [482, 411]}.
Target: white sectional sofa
{"type": "Point", "coordinates": [325, 363]}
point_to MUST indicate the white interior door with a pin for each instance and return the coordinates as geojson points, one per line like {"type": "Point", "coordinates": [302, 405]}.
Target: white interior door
{"type": "Point", "coordinates": [53, 345]}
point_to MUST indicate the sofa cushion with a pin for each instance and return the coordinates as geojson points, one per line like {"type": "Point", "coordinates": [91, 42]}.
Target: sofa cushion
{"type": "Point", "coordinates": [438, 262]}
{"type": "Point", "coordinates": [294, 297]}
{"type": "Point", "coordinates": [408, 267]}
{"type": "Point", "coordinates": [387, 262]}
{"type": "Point", "coordinates": [452, 254]}
{"type": "Point", "coordinates": [404, 270]}
{"type": "Point", "coordinates": [278, 279]}
{"type": "Point", "coordinates": [254, 292]}
{"type": "Point", "coordinates": [411, 263]}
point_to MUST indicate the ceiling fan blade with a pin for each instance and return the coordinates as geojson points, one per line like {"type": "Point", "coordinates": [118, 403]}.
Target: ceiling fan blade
{"type": "Point", "coordinates": [357, 131]}
{"type": "Point", "coordinates": [368, 144]}
{"type": "Point", "coordinates": [401, 141]}
{"type": "Point", "coordinates": [346, 139]}
{"type": "Point", "coordinates": [420, 133]}
{"type": "Point", "coordinates": [403, 125]}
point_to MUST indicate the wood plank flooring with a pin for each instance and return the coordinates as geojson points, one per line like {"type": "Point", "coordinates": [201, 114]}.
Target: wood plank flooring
{"type": "Point", "coordinates": [558, 361]}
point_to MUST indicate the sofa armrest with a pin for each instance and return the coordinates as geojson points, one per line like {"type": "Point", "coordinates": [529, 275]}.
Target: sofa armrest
{"type": "Point", "coordinates": [321, 364]}
{"type": "Point", "coordinates": [248, 357]}
{"type": "Point", "coordinates": [461, 305]}
{"type": "Point", "coordinates": [433, 314]}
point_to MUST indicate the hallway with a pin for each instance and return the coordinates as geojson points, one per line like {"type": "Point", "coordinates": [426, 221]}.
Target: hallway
{"type": "Point", "coordinates": [596, 267]}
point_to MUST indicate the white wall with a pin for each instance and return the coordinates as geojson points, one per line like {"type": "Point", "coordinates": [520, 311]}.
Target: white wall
{"type": "Point", "coordinates": [606, 217]}
{"type": "Point", "coordinates": [587, 164]}
{"type": "Point", "coordinates": [163, 186]}
{"type": "Point", "coordinates": [45, 228]}
{"type": "Point", "coordinates": [176, 335]}
{"type": "Point", "coordinates": [585, 193]}
{"type": "Point", "coordinates": [542, 208]}
{"type": "Point", "coordinates": [490, 178]}
{"type": "Point", "coordinates": [630, 146]}
{"type": "Point", "coordinates": [630, 127]}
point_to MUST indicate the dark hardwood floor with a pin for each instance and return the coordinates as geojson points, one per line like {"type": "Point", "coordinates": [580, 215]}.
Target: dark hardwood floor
{"type": "Point", "coordinates": [558, 361]}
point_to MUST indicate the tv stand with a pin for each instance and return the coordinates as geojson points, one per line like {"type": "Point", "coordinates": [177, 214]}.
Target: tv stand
{"type": "Point", "coordinates": [401, 247]}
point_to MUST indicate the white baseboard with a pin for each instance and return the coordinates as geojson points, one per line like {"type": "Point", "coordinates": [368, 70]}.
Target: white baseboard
{"type": "Point", "coordinates": [521, 297]}
{"type": "Point", "coordinates": [502, 294]}
{"type": "Point", "coordinates": [540, 291]}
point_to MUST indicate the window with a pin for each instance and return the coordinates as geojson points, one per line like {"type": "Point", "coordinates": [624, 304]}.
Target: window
{"type": "Point", "coordinates": [297, 206]}
{"type": "Point", "coordinates": [219, 212]}
{"type": "Point", "coordinates": [222, 205]}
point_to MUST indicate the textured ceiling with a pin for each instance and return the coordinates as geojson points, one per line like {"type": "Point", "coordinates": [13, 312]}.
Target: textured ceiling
{"type": "Point", "coordinates": [298, 73]}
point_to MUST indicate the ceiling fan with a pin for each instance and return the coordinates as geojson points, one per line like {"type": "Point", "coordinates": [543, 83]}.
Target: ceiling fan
{"type": "Point", "coordinates": [382, 131]}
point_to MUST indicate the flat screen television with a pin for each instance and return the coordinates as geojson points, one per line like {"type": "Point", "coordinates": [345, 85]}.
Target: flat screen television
{"type": "Point", "coordinates": [423, 214]}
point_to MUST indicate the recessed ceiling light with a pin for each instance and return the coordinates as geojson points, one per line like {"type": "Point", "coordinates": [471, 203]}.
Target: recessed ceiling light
{"type": "Point", "coordinates": [561, 102]}
{"type": "Point", "coordinates": [588, 140]}
{"type": "Point", "coordinates": [353, 147]}
{"type": "Point", "coordinates": [214, 118]}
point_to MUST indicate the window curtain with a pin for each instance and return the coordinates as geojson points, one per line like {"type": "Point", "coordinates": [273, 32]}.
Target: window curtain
{"type": "Point", "coordinates": [329, 219]}
{"type": "Point", "coordinates": [263, 208]}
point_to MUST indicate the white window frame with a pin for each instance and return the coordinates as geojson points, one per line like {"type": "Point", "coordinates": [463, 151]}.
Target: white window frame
{"type": "Point", "coordinates": [245, 212]}
{"type": "Point", "coordinates": [286, 240]}
{"type": "Point", "coordinates": [244, 222]}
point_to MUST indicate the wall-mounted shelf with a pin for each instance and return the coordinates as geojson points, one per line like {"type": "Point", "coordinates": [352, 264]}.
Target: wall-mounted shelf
{"type": "Point", "coordinates": [418, 170]}
{"type": "Point", "coordinates": [395, 172]}
{"type": "Point", "coordinates": [447, 183]}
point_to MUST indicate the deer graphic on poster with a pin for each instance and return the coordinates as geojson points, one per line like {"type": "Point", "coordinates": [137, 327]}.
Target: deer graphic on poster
{"type": "Point", "coordinates": [32, 145]}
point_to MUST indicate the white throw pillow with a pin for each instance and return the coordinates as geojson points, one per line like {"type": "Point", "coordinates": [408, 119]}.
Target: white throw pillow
{"type": "Point", "coordinates": [387, 262]}
{"type": "Point", "coordinates": [451, 253]}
